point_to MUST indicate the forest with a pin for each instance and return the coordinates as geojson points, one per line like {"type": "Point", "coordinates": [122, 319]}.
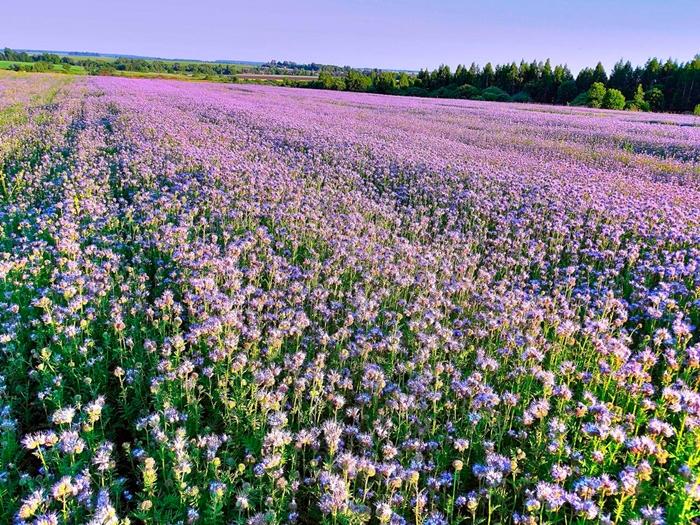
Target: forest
{"type": "Point", "coordinates": [655, 86]}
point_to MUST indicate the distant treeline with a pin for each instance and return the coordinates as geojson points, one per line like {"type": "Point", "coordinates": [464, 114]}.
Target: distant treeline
{"type": "Point", "coordinates": [96, 65]}
{"type": "Point", "coordinates": [21, 56]}
{"type": "Point", "coordinates": [656, 86]}
{"type": "Point", "coordinates": [275, 67]}
{"type": "Point", "coordinates": [36, 63]}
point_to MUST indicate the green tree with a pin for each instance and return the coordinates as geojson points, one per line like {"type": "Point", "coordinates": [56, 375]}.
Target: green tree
{"type": "Point", "coordinates": [596, 93]}
{"type": "Point", "coordinates": [655, 98]}
{"type": "Point", "coordinates": [326, 80]}
{"type": "Point", "coordinates": [650, 76]}
{"type": "Point", "coordinates": [584, 80]}
{"type": "Point", "coordinates": [357, 81]}
{"type": "Point", "coordinates": [384, 82]}
{"type": "Point", "coordinates": [622, 78]}
{"type": "Point", "coordinates": [613, 99]}
{"type": "Point", "coordinates": [441, 77]}
{"type": "Point", "coordinates": [495, 94]}
{"type": "Point", "coordinates": [461, 75]}
{"type": "Point", "coordinates": [467, 91]}
{"type": "Point", "coordinates": [487, 75]}
{"type": "Point", "coordinates": [472, 76]}
{"type": "Point", "coordinates": [423, 78]}
{"type": "Point", "coordinates": [567, 92]}
{"type": "Point", "coordinates": [638, 103]}
{"type": "Point", "coordinates": [599, 74]}
{"type": "Point", "coordinates": [521, 96]}
{"type": "Point", "coordinates": [547, 91]}
{"type": "Point", "coordinates": [404, 81]}
{"type": "Point", "coordinates": [580, 100]}
{"type": "Point", "coordinates": [514, 78]}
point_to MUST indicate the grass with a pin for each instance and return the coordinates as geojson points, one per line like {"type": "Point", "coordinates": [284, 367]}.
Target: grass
{"type": "Point", "coordinates": [72, 69]}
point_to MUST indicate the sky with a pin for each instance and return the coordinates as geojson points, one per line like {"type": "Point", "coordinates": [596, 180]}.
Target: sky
{"type": "Point", "coordinates": [391, 34]}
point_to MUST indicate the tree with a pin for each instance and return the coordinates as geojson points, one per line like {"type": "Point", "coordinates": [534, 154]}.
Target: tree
{"type": "Point", "coordinates": [613, 99]}
{"type": "Point", "coordinates": [423, 78]}
{"type": "Point", "coordinates": [384, 82]}
{"type": "Point", "coordinates": [487, 75]}
{"type": "Point", "coordinates": [650, 76]}
{"type": "Point", "coordinates": [356, 81]}
{"type": "Point", "coordinates": [655, 98]}
{"type": "Point", "coordinates": [524, 72]}
{"type": "Point", "coordinates": [696, 111]}
{"type": "Point", "coordinates": [441, 77]}
{"type": "Point", "coordinates": [495, 94]}
{"type": "Point", "coordinates": [461, 75]}
{"type": "Point", "coordinates": [580, 100]}
{"type": "Point", "coordinates": [326, 80]}
{"type": "Point", "coordinates": [511, 78]}
{"type": "Point", "coordinates": [473, 74]}
{"type": "Point", "coordinates": [521, 96]}
{"type": "Point", "coordinates": [547, 82]}
{"type": "Point", "coordinates": [638, 103]}
{"type": "Point", "coordinates": [561, 75]}
{"type": "Point", "coordinates": [599, 74]}
{"type": "Point", "coordinates": [584, 80]}
{"type": "Point", "coordinates": [567, 92]}
{"type": "Point", "coordinates": [467, 91]}
{"type": "Point", "coordinates": [622, 78]}
{"type": "Point", "coordinates": [596, 93]}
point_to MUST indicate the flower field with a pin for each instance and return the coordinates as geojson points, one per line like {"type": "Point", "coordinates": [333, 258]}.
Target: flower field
{"type": "Point", "coordinates": [227, 304]}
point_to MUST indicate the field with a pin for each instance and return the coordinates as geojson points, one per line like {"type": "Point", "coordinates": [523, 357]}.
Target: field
{"type": "Point", "coordinates": [170, 76]}
{"type": "Point", "coordinates": [259, 76]}
{"type": "Point", "coordinates": [71, 69]}
{"type": "Point", "coordinates": [235, 304]}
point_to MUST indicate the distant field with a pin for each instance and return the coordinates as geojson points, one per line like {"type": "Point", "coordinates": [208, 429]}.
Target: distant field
{"type": "Point", "coordinates": [75, 70]}
{"type": "Point", "coordinates": [152, 74]}
{"type": "Point", "coordinates": [257, 76]}
{"type": "Point", "coordinates": [79, 70]}
{"type": "Point", "coordinates": [108, 59]}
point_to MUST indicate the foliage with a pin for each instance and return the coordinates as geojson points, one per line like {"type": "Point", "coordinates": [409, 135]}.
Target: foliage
{"type": "Point", "coordinates": [567, 91]}
{"type": "Point", "coordinates": [384, 82]}
{"type": "Point", "coordinates": [613, 99]}
{"type": "Point", "coordinates": [495, 94]}
{"type": "Point", "coordinates": [444, 92]}
{"type": "Point", "coordinates": [467, 91]}
{"type": "Point", "coordinates": [356, 81]}
{"type": "Point", "coordinates": [655, 98]}
{"type": "Point", "coordinates": [638, 103]}
{"type": "Point", "coordinates": [521, 96]}
{"type": "Point", "coordinates": [547, 83]}
{"type": "Point", "coordinates": [327, 81]}
{"type": "Point", "coordinates": [596, 94]}
{"type": "Point", "coordinates": [580, 100]}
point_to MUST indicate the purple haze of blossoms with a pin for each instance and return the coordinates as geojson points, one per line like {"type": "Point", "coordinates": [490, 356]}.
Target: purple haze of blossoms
{"type": "Point", "coordinates": [245, 304]}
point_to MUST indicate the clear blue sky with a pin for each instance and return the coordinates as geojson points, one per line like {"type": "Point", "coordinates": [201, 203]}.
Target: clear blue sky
{"type": "Point", "coordinates": [407, 34]}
